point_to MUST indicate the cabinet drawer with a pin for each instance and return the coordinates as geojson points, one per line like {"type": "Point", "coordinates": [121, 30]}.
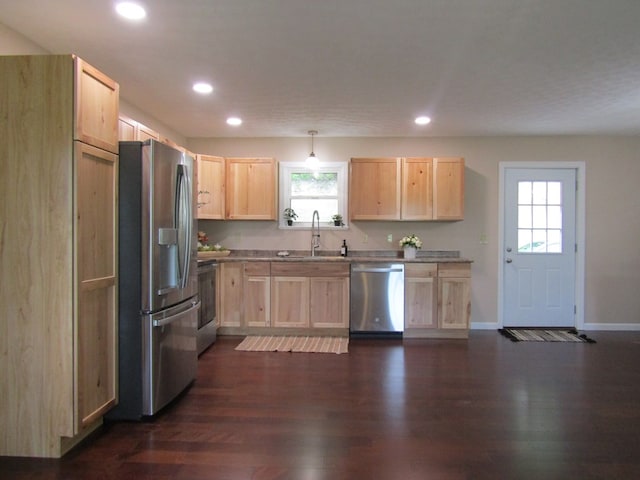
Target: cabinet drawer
{"type": "Point", "coordinates": [417, 270]}
{"type": "Point", "coordinates": [309, 269]}
{"type": "Point", "coordinates": [454, 270]}
{"type": "Point", "coordinates": [257, 268]}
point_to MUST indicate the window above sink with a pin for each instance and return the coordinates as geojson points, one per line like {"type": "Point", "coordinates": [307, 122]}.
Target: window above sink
{"type": "Point", "coordinates": [306, 190]}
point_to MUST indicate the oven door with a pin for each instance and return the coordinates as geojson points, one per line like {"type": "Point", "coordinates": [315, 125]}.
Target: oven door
{"type": "Point", "coordinates": [207, 322]}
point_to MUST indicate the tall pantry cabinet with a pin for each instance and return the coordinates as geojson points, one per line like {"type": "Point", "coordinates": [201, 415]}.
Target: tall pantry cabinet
{"type": "Point", "coordinates": [58, 252]}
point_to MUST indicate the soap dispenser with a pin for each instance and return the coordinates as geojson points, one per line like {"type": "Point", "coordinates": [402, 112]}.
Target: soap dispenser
{"type": "Point", "coordinates": [343, 249]}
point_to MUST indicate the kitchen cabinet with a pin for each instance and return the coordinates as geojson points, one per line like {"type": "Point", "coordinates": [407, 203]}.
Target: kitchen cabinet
{"type": "Point", "coordinates": [127, 129]}
{"type": "Point", "coordinates": [257, 294]}
{"type": "Point", "coordinates": [406, 189]}
{"type": "Point", "coordinates": [230, 281]}
{"type": "Point", "coordinates": [251, 189]}
{"type": "Point", "coordinates": [290, 301]}
{"type": "Point", "coordinates": [374, 192]}
{"type": "Point", "coordinates": [329, 300]}
{"type": "Point", "coordinates": [448, 189]}
{"type": "Point", "coordinates": [211, 187]}
{"type": "Point", "coordinates": [420, 296]}
{"type": "Point", "coordinates": [454, 296]}
{"type": "Point", "coordinates": [310, 294]}
{"type": "Point", "coordinates": [58, 301]}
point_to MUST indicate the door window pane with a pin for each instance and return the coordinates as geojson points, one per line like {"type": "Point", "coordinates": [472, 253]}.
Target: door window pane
{"type": "Point", "coordinates": [540, 217]}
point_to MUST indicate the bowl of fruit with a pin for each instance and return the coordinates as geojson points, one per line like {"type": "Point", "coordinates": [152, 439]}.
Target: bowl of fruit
{"type": "Point", "coordinates": [210, 251]}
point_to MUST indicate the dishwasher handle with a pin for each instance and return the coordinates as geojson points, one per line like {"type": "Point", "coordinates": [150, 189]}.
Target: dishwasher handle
{"type": "Point", "coordinates": [377, 269]}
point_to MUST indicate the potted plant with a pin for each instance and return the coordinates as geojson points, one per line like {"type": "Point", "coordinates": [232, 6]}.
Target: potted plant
{"type": "Point", "coordinates": [410, 244]}
{"type": "Point", "coordinates": [337, 220]}
{"type": "Point", "coordinates": [289, 215]}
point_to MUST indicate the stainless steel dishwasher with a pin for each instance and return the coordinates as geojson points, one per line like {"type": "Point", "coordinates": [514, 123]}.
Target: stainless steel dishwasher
{"type": "Point", "coordinates": [377, 299]}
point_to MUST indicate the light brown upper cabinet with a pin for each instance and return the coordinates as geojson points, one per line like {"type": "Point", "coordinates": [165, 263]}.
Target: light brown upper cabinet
{"type": "Point", "coordinates": [251, 191]}
{"type": "Point", "coordinates": [406, 188]}
{"type": "Point", "coordinates": [211, 186]}
{"type": "Point", "coordinates": [448, 189]}
{"type": "Point", "coordinates": [58, 301]}
{"type": "Point", "coordinates": [374, 192]}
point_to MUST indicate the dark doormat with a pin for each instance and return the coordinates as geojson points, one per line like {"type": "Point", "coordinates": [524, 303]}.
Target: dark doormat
{"type": "Point", "coordinates": [545, 335]}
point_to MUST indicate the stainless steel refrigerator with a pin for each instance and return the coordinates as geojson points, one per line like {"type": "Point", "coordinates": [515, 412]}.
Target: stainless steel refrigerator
{"type": "Point", "coordinates": [158, 292]}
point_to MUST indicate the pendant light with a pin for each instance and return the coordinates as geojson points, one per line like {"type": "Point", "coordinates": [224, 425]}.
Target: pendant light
{"type": "Point", "coordinates": [312, 161]}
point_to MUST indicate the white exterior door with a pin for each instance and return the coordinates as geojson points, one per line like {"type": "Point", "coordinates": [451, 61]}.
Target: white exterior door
{"type": "Point", "coordinates": [539, 247]}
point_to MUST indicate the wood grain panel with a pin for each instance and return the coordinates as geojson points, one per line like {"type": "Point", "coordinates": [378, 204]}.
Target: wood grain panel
{"type": "Point", "coordinates": [329, 302]}
{"type": "Point", "coordinates": [312, 268]}
{"type": "Point", "coordinates": [257, 301]}
{"type": "Point", "coordinates": [97, 106]}
{"type": "Point", "coordinates": [36, 256]}
{"type": "Point", "coordinates": [417, 189]}
{"type": "Point", "coordinates": [251, 189]}
{"type": "Point", "coordinates": [230, 299]}
{"type": "Point", "coordinates": [374, 188]}
{"type": "Point", "coordinates": [289, 301]}
{"type": "Point", "coordinates": [211, 187]}
{"type": "Point", "coordinates": [96, 173]}
{"type": "Point", "coordinates": [448, 196]}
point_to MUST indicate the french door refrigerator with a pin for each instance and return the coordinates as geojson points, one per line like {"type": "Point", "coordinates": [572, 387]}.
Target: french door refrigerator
{"type": "Point", "coordinates": [158, 292]}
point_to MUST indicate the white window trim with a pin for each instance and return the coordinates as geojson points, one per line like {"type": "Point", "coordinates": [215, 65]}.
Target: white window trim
{"type": "Point", "coordinates": [284, 184]}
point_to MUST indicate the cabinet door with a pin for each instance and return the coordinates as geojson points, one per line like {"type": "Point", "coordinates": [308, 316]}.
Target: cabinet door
{"type": "Point", "coordinates": [144, 133]}
{"type": "Point", "coordinates": [448, 196]}
{"type": "Point", "coordinates": [417, 189]}
{"type": "Point", "coordinates": [257, 294]}
{"type": "Point", "coordinates": [230, 298]}
{"type": "Point", "coordinates": [420, 296]}
{"type": "Point", "coordinates": [250, 189]}
{"type": "Point", "coordinates": [329, 302]}
{"type": "Point", "coordinates": [126, 129]}
{"type": "Point", "coordinates": [290, 302]}
{"type": "Point", "coordinates": [374, 189]}
{"type": "Point", "coordinates": [454, 296]}
{"type": "Point", "coordinates": [95, 212]}
{"type": "Point", "coordinates": [96, 107]}
{"type": "Point", "coordinates": [211, 172]}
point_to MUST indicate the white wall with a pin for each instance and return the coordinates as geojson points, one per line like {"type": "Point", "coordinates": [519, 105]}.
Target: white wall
{"type": "Point", "coordinates": [612, 210]}
{"type": "Point", "coordinates": [14, 43]}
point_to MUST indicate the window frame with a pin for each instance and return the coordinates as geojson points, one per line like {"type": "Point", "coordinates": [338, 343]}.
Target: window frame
{"type": "Point", "coordinates": [284, 188]}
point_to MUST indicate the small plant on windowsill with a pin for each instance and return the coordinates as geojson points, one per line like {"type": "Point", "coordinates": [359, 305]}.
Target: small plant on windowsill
{"type": "Point", "coordinates": [289, 215]}
{"type": "Point", "coordinates": [337, 220]}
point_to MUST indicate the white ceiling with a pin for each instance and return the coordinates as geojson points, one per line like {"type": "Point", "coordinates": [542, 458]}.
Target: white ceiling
{"type": "Point", "coordinates": [361, 67]}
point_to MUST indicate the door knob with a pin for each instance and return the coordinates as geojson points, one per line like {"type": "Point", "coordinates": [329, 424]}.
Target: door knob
{"type": "Point", "coordinates": [509, 260]}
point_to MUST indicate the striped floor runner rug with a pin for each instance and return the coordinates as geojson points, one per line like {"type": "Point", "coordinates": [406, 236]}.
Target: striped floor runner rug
{"type": "Point", "coordinates": [295, 344]}
{"type": "Point", "coordinates": [541, 335]}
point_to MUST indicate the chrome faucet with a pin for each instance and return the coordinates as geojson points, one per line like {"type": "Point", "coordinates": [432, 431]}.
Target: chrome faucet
{"type": "Point", "coordinates": [315, 232]}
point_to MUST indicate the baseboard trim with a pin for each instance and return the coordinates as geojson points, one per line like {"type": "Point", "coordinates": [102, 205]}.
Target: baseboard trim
{"type": "Point", "coordinates": [613, 327]}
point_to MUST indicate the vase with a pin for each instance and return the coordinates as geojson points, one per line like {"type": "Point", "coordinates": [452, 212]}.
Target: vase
{"type": "Point", "coordinates": [409, 252]}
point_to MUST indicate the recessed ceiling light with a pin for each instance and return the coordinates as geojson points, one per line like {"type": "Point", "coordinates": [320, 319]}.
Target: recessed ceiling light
{"type": "Point", "coordinates": [234, 121]}
{"type": "Point", "coordinates": [202, 87]}
{"type": "Point", "coordinates": [131, 11]}
{"type": "Point", "coordinates": [422, 120]}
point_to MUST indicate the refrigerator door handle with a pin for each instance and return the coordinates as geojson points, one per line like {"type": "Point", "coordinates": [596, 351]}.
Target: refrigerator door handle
{"type": "Point", "coordinates": [183, 222]}
{"type": "Point", "coordinates": [165, 320]}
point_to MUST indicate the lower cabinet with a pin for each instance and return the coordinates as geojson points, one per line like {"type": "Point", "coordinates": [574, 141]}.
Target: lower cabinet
{"type": "Point", "coordinates": [437, 300]}
{"type": "Point", "coordinates": [290, 302]}
{"type": "Point", "coordinates": [420, 295]}
{"type": "Point", "coordinates": [454, 296]}
{"type": "Point", "coordinates": [255, 295]}
{"type": "Point", "coordinates": [329, 302]}
{"type": "Point", "coordinates": [296, 296]}
{"type": "Point", "coordinates": [230, 281]}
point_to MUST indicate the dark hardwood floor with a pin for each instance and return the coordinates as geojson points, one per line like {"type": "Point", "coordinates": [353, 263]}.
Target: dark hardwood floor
{"type": "Point", "coordinates": [483, 408]}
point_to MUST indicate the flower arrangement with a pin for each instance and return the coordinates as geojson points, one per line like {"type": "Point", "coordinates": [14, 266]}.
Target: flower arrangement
{"type": "Point", "coordinates": [411, 241]}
